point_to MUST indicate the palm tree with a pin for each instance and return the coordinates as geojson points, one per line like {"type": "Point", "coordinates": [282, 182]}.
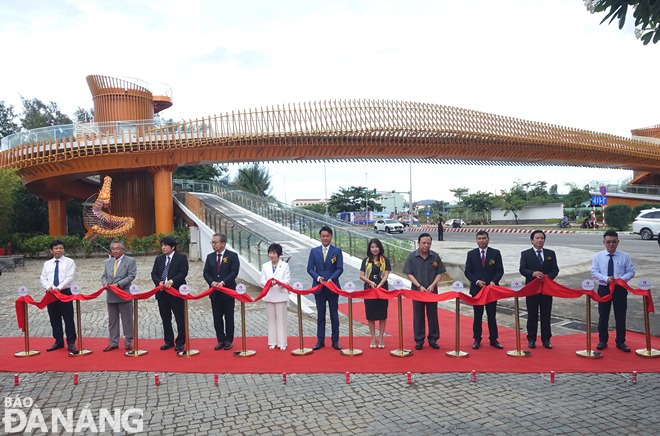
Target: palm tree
{"type": "Point", "coordinates": [255, 179]}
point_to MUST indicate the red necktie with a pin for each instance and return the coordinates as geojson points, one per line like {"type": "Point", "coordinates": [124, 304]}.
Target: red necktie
{"type": "Point", "coordinates": [483, 258]}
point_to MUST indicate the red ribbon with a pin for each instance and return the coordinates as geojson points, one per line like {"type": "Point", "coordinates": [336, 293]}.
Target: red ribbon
{"type": "Point", "coordinates": [487, 294]}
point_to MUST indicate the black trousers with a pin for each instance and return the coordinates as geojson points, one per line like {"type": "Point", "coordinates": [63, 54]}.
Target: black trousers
{"type": "Point", "coordinates": [168, 305]}
{"type": "Point", "coordinates": [620, 301]}
{"type": "Point", "coordinates": [223, 317]}
{"type": "Point", "coordinates": [491, 312]}
{"type": "Point", "coordinates": [534, 302]}
{"type": "Point", "coordinates": [441, 233]}
{"type": "Point", "coordinates": [322, 297]}
{"type": "Point", "coordinates": [419, 327]}
{"type": "Point", "coordinates": [59, 311]}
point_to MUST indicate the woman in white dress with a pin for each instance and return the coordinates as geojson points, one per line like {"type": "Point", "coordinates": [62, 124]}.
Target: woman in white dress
{"type": "Point", "coordinates": [277, 298]}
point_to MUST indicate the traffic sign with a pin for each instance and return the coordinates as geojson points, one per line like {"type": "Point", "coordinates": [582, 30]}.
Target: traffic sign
{"type": "Point", "coordinates": [603, 190]}
{"type": "Point", "coordinates": [428, 212]}
{"type": "Point", "coordinates": [598, 199]}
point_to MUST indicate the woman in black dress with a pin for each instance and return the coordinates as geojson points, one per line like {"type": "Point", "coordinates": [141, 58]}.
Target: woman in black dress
{"type": "Point", "coordinates": [373, 272]}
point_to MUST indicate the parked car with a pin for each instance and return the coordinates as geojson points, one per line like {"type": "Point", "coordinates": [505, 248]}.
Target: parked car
{"type": "Point", "coordinates": [388, 225]}
{"type": "Point", "coordinates": [647, 224]}
{"type": "Point", "coordinates": [406, 223]}
{"type": "Point", "coordinates": [450, 223]}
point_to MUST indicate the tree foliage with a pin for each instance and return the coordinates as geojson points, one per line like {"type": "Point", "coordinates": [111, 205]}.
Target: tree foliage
{"type": "Point", "coordinates": [645, 12]}
{"type": "Point", "coordinates": [480, 201]}
{"type": "Point", "coordinates": [7, 120]}
{"type": "Point", "coordinates": [255, 179]}
{"type": "Point", "coordinates": [459, 193]}
{"type": "Point", "coordinates": [640, 207]}
{"type": "Point", "coordinates": [39, 114]}
{"type": "Point", "coordinates": [9, 183]}
{"type": "Point", "coordinates": [618, 216]}
{"type": "Point", "coordinates": [82, 115]}
{"type": "Point", "coordinates": [201, 172]}
{"type": "Point", "coordinates": [511, 203]}
{"type": "Point", "coordinates": [576, 195]}
{"type": "Point", "coordinates": [353, 199]}
{"type": "Point", "coordinates": [318, 208]}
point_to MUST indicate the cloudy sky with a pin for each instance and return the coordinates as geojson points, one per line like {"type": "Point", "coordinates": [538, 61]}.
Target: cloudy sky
{"type": "Point", "coordinates": [542, 60]}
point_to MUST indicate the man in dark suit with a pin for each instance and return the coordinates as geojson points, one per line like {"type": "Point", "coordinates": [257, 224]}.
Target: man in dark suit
{"type": "Point", "coordinates": [325, 265]}
{"type": "Point", "coordinates": [221, 269]}
{"type": "Point", "coordinates": [538, 262]}
{"type": "Point", "coordinates": [483, 267]}
{"type": "Point", "coordinates": [170, 270]}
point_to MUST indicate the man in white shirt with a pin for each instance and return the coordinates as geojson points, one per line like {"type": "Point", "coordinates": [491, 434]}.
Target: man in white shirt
{"type": "Point", "coordinates": [57, 274]}
{"type": "Point", "coordinates": [608, 265]}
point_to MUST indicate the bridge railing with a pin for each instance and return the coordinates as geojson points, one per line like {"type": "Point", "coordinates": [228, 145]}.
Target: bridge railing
{"type": "Point", "coordinates": [345, 237]}
{"type": "Point", "coordinates": [245, 242]}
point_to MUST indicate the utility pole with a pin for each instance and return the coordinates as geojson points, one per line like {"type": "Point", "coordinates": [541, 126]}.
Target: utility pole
{"type": "Point", "coordinates": [366, 198]}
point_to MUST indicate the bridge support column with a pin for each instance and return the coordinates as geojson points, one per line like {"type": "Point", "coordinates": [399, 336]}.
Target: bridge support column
{"type": "Point", "coordinates": [163, 203]}
{"type": "Point", "coordinates": [56, 213]}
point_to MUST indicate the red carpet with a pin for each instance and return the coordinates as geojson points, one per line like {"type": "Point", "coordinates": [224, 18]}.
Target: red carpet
{"type": "Point", "coordinates": [561, 358]}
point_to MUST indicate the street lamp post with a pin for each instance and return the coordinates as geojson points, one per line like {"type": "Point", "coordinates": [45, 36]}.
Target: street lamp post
{"type": "Point", "coordinates": [284, 176]}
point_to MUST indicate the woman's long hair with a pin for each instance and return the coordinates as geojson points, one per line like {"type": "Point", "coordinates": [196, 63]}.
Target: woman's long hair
{"type": "Point", "coordinates": [379, 244]}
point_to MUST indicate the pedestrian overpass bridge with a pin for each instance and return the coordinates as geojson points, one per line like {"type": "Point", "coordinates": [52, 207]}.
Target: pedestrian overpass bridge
{"type": "Point", "coordinates": [141, 156]}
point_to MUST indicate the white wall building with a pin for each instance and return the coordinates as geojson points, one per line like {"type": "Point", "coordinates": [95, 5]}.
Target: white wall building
{"type": "Point", "coordinates": [390, 201]}
{"type": "Point", "coordinates": [301, 202]}
{"type": "Point", "coordinates": [530, 214]}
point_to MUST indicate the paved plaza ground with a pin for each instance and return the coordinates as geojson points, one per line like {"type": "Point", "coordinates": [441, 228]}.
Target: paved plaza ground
{"type": "Point", "coordinates": [372, 404]}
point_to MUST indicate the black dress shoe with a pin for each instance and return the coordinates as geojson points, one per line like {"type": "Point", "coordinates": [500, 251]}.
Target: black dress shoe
{"type": "Point", "coordinates": [601, 346]}
{"type": "Point", "coordinates": [336, 346]}
{"type": "Point", "coordinates": [178, 348]}
{"type": "Point", "coordinates": [219, 346]}
{"type": "Point", "coordinates": [496, 344]}
{"type": "Point", "coordinates": [110, 348]}
{"type": "Point", "coordinates": [228, 345]}
{"type": "Point", "coordinates": [476, 345]}
{"type": "Point", "coordinates": [531, 344]}
{"type": "Point", "coordinates": [55, 346]}
{"type": "Point", "coordinates": [72, 348]}
{"type": "Point", "coordinates": [434, 345]}
{"type": "Point", "coordinates": [319, 345]}
{"type": "Point", "coordinates": [623, 347]}
{"type": "Point", "coordinates": [166, 346]}
{"type": "Point", "coordinates": [547, 345]}
{"type": "Point", "coordinates": [419, 345]}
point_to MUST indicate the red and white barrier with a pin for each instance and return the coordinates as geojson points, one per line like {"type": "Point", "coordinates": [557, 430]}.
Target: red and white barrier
{"type": "Point", "coordinates": [476, 229]}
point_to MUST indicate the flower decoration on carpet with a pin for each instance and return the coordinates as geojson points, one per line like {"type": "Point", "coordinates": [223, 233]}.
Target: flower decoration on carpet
{"type": "Point", "coordinates": [100, 223]}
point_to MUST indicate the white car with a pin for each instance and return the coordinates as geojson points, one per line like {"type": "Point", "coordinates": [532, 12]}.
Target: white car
{"type": "Point", "coordinates": [388, 225]}
{"type": "Point", "coordinates": [647, 224]}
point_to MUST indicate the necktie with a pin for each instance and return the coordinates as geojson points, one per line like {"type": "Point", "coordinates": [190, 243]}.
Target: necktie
{"type": "Point", "coordinates": [610, 266]}
{"type": "Point", "coordinates": [166, 270]}
{"type": "Point", "coordinates": [218, 263]}
{"type": "Point", "coordinates": [325, 251]}
{"type": "Point", "coordinates": [538, 254]}
{"type": "Point", "coordinates": [56, 278]}
{"type": "Point", "coordinates": [114, 270]}
{"type": "Point", "coordinates": [483, 258]}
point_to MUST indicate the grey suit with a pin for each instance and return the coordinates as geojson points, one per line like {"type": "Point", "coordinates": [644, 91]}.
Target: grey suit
{"type": "Point", "coordinates": [126, 272]}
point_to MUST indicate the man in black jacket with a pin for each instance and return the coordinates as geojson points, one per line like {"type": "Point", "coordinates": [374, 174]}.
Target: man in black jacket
{"type": "Point", "coordinates": [483, 267]}
{"type": "Point", "coordinates": [170, 270]}
{"type": "Point", "coordinates": [538, 262]}
{"type": "Point", "coordinates": [221, 269]}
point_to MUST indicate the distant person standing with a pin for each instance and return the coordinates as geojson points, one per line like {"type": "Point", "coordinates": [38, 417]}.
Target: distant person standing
{"type": "Point", "coordinates": [424, 269]}
{"type": "Point", "coordinates": [608, 265]}
{"type": "Point", "coordinates": [483, 267]}
{"type": "Point", "coordinates": [57, 274]}
{"type": "Point", "coordinates": [170, 271]}
{"type": "Point", "coordinates": [325, 265]}
{"type": "Point", "coordinates": [537, 263]}
{"type": "Point", "coordinates": [441, 229]}
{"type": "Point", "coordinates": [120, 271]}
{"type": "Point", "coordinates": [221, 269]}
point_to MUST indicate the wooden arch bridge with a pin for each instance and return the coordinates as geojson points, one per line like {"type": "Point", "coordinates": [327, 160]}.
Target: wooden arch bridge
{"type": "Point", "coordinates": [142, 158]}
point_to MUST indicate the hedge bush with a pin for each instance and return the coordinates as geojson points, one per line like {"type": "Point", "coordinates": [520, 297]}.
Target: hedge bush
{"type": "Point", "coordinates": [617, 216]}
{"type": "Point", "coordinates": [640, 207]}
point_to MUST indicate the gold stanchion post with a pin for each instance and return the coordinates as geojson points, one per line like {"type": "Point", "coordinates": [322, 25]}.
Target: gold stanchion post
{"type": "Point", "coordinates": [75, 290]}
{"type": "Point", "coordinates": [398, 285]}
{"type": "Point", "coordinates": [22, 291]}
{"type": "Point", "coordinates": [350, 352]}
{"type": "Point", "coordinates": [135, 352]}
{"type": "Point", "coordinates": [185, 290]}
{"type": "Point", "coordinates": [457, 352]}
{"type": "Point", "coordinates": [516, 285]}
{"type": "Point", "coordinates": [302, 351]}
{"type": "Point", "coordinates": [588, 285]}
{"type": "Point", "coordinates": [244, 352]}
{"type": "Point", "coordinates": [644, 352]}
